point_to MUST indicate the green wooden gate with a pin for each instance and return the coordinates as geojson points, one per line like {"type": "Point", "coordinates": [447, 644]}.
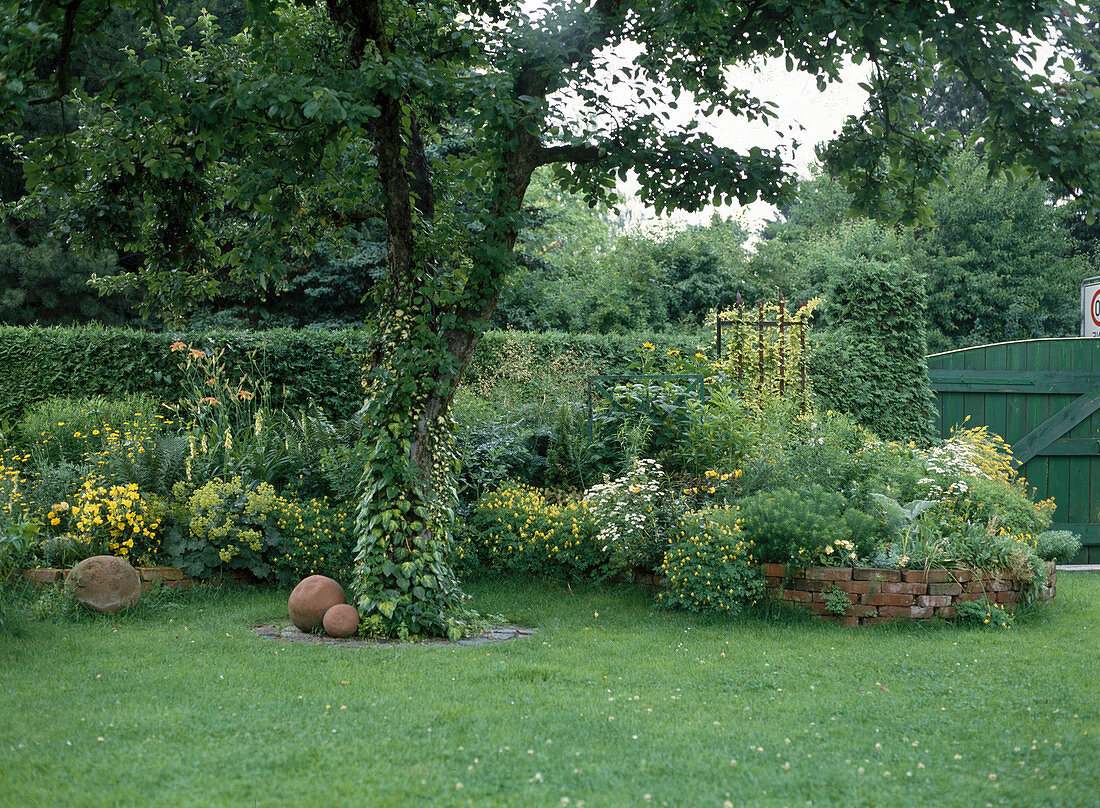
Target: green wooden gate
{"type": "Point", "coordinates": [1043, 397]}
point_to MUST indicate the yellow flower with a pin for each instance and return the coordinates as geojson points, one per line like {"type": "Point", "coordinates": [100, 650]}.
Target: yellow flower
{"type": "Point", "coordinates": [648, 346]}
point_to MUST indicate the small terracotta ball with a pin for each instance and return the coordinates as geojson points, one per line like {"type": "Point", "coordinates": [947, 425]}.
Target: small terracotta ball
{"type": "Point", "coordinates": [310, 600]}
{"type": "Point", "coordinates": [342, 620]}
{"type": "Point", "coordinates": [104, 583]}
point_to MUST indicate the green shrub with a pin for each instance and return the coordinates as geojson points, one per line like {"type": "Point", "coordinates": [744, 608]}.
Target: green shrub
{"type": "Point", "coordinates": [228, 525]}
{"type": "Point", "coordinates": [971, 545]}
{"type": "Point", "coordinates": [496, 444]}
{"type": "Point", "coordinates": [126, 441]}
{"type": "Point", "coordinates": [722, 437]}
{"type": "Point", "coordinates": [321, 455]}
{"type": "Point", "coordinates": [1059, 546]}
{"type": "Point", "coordinates": [68, 428]}
{"type": "Point", "coordinates": [710, 567]}
{"type": "Point", "coordinates": [48, 485]}
{"type": "Point", "coordinates": [1006, 505]}
{"type": "Point", "coordinates": [506, 362]}
{"type": "Point", "coordinates": [654, 419]}
{"type": "Point", "coordinates": [794, 524]}
{"type": "Point", "coordinates": [890, 468]}
{"type": "Point", "coordinates": [792, 449]}
{"type": "Point", "coordinates": [867, 531]}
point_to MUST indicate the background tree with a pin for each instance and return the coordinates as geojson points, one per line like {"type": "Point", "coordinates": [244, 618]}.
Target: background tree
{"type": "Point", "coordinates": [581, 269]}
{"type": "Point", "coordinates": [997, 261]}
{"type": "Point", "coordinates": [214, 163]}
{"type": "Point", "coordinates": [44, 281]}
{"type": "Point", "coordinates": [705, 267]}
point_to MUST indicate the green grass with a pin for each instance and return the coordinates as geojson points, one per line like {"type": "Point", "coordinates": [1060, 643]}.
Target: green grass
{"type": "Point", "coordinates": [611, 703]}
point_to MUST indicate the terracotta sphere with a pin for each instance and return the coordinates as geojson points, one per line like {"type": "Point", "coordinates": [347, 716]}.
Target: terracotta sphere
{"type": "Point", "coordinates": [310, 600]}
{"type": "Point", "coordinates": [342, 620]}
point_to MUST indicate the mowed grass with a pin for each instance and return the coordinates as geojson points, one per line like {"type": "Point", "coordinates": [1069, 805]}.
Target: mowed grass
{"type": "Point", "coordinates": [611, 703]}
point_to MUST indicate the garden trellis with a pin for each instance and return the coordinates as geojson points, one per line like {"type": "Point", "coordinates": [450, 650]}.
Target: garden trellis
{"type": "Point", "coordinates": [766, 349]}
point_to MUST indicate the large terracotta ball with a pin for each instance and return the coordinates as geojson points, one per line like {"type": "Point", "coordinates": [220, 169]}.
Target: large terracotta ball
{"type": "Point", "coordinates": [342, 620]}
{"type": "Point", "coordinates": [104, 583]}
{"type": "Point", "coordinates": [310, 600]}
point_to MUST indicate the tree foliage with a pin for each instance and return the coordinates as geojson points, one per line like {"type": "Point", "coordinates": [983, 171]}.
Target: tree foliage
{"type": "Point", "coordinates": [995, 253]}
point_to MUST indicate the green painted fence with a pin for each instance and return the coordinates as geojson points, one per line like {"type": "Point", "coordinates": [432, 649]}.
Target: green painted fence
{"type": "Point", "coordinates": [1043, 397]}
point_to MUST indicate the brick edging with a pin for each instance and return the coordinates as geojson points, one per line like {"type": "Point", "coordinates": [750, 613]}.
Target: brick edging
{"type": "Point", "coordinates": [169, 577]}
{"type": "Point", "coordinates": [879, 595]}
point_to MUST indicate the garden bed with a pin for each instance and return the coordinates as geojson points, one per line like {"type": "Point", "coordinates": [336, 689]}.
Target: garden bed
{"type": "Point", "coordinates": [878, 595]}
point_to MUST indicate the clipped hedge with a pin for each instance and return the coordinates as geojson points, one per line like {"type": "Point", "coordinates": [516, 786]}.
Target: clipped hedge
{"type": "Point", "coordinates": [889, 390]}
{"type": "Point", "coordinates": [871, 364]}
{"type": "Point", "coordinates": [38, 363]}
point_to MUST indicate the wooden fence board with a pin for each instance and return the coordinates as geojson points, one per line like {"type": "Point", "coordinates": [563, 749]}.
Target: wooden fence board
{"type": "Point", "coordinates": [1043, 397]}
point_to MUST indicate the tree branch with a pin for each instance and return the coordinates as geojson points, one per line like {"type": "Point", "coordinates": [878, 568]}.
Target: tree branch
{"type": "Point", "coordinates": [540, 74]}
{"type": "Point", "coordinates": [573, 153]}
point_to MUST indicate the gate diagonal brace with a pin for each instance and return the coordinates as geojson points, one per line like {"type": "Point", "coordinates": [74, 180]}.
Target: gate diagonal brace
{"type": "Point", "coordinates": [1054, 427]}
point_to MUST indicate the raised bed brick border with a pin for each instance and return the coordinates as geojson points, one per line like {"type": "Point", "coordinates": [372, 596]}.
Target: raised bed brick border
{"type": "Point", "coordinates": [169, 577]}
{"type": "Point", "coordinates": [881, 595]}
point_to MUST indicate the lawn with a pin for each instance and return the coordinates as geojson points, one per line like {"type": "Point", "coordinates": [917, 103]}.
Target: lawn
{"type": "Point", "coordinates": [611, 703]}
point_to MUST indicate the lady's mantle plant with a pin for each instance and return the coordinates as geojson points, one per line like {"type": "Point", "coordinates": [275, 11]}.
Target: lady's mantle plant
{"type": "Point", "coordinates": [232, 526]}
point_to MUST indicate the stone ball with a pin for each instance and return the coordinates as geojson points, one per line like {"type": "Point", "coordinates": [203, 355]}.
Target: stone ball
{"type": "Point", "coordinates": [104, 583]}
{"type": "Point", "coordinates": [342, 620]}
{"type": "Point", "coordinates": [310, 600]}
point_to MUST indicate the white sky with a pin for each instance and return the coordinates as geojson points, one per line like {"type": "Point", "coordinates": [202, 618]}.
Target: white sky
{"type": "Point", "coordinates": [805, 115]}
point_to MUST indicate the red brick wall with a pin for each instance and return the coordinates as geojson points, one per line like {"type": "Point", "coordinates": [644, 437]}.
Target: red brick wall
{"type": "Point", "coordinates": [880, 595]}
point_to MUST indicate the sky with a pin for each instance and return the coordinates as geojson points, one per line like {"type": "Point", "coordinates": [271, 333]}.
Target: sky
{"type": "Point", "coordinates": [800, 104]}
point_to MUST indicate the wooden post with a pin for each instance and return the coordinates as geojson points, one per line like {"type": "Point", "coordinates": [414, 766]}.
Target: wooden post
{"type": "Point", "coordinates": [760, 345]}
{"type": "Point", "coordinates": [802, 356]}
{"type": "Point", "coordinates": [782, 345]}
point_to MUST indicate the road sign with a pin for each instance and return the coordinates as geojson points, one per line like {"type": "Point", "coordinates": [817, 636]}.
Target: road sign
{"type": "Point", "coordinates": [1090, 307]}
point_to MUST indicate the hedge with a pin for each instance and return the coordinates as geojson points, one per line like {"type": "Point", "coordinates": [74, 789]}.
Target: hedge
{"type": "Point", "coordinates": [39, 363]}
{"type": "Point", "coordinates": [304, 366]}
{"type": "Point", "coordinates": [872, 363]}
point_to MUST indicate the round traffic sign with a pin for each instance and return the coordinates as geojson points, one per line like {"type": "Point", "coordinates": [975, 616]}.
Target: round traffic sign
{"type": "Point", "coordinates": [1094, 308]}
